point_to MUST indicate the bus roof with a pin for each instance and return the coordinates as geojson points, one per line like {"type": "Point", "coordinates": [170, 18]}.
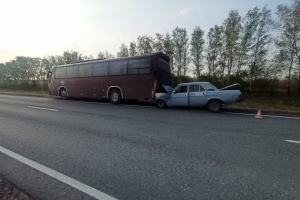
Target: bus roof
{"type": "Point", "coordinates": [160, 54]}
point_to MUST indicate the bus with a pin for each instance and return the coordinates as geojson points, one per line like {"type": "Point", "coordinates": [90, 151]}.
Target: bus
{"type": "Point", "coordinates": [132, 78]}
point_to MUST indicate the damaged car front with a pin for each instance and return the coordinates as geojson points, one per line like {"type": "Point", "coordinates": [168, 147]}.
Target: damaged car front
{"type": "Point", "coordinates": [162, 99]}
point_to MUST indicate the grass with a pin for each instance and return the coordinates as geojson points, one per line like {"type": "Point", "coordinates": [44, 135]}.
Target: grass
{"type": "Point", "coordinates": [24, 92]}
{"type": "Point", "coordinates": [277, 102]}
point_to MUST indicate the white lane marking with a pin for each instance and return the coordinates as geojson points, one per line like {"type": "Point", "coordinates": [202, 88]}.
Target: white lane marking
{"type": "Point", "coordinates": [59, 176]}
{"type": "Point", "coordinates": [42, 108]}
{"type": "Point", "coordinates": [275, 116]}
{"type": "Point", "coordinates": [293, 141]}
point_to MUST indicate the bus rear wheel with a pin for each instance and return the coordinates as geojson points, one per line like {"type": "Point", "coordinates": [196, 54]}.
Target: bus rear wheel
{"type": "Point", "coordinates": [115, 96]}
{"type": "Point", "coordinates": [63, 94]}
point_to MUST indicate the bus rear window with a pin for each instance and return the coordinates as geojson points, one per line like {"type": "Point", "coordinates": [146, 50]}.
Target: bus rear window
{"type": "Point", "coordinates": [164, 65]}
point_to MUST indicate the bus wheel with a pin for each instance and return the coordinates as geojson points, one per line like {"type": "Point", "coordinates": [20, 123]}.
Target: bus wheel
{"type": "Point", "coordinates": [114, 96]}
{"type": "Point", "coordinates": [160, 103]}
{"type": "Point", "coordinates": [63, 94]}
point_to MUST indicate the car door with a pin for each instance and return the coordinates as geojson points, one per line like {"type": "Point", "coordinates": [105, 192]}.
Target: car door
{"type": "Point", "coordinates": [197, 95]}
{"type": "Point", "coordinates": [179, 97]}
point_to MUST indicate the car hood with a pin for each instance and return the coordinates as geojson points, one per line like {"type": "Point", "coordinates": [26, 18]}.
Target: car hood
{"type": "Point", "coordinates": [169, 89]}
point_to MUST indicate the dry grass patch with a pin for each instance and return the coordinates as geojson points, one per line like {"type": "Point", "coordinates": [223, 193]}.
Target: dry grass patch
{"type": "Point", "coordinates": [279, 102]}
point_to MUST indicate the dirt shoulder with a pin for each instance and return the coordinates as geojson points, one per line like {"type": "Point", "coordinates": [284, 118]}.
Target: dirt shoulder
{"type": "Point", "coordinates": [8, 191]}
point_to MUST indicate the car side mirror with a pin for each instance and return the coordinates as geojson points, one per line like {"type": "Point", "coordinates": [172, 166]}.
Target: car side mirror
{"type": "Point", "coordinates": [173, 91]}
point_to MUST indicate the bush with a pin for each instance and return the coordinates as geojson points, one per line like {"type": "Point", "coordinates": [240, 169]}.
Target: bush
{"type": "Point", "coordinates": [26, 85]}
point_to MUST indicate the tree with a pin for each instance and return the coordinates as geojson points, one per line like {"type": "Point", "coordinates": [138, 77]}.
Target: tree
{"type": "Point", "coordinates": [214, 47]}
{"type": "Point", "coordinates": [90, 57]}
{"type": "Point", "coordinates": [145, 44]}
{"type": "Point", "coordinates": [249, 25]}
{"type": "Point", "coordinates": [197, 46]}
{"type": "Point", "coordinates": [124, 52]}
{"type": "Point", "coordinates": [168, 47]}
{"type": "Point", "coordinates": [45, 67]}
{"type": "Point", "coordinates": [3, 72]}
{"type": "Point", "coordinates": [132, 49]}
{"type": "Point", "coordinates": [159, 43]}
{"type": "Point", "coordinates": [259, 45]}
{"type": "Point", "coordinates": [278, 65]}
{"type": "Point", "coordinates": [232, 27]}
{"type": "Point", "coordinates": [71, 56]}
{"type": "Point", "coordinates": [186, 60]}
{"type": "Point", "coordinates": [105, 55]}
{"type": "Point", "coordinates": [288, 23]}
{"type": "Point", "coordinates": [180, 41]}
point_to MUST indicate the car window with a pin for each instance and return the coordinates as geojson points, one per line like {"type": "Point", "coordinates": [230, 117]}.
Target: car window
{"type": "Point", "coordinates": [210, 87]}
{"type": "Point", "coordinates": [201, 88]}
{"type": "Point", "coordinates": [182, 89]}
{"type": "Point", "coordinates": [194, 88]}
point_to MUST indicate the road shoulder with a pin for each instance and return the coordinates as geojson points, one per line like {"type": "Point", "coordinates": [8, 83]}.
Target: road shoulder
{"type": "Point", "coordinates": [11, 192]}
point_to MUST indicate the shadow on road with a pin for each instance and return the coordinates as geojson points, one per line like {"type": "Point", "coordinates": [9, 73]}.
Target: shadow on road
{"type": "Point", "coordinates": [224, 109]}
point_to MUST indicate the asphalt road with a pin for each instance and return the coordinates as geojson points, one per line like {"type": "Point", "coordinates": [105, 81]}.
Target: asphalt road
{"type": "Point", "coordinates": [141, 152]}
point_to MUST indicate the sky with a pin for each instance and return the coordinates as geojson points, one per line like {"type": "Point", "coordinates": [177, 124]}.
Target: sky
{"type": "Point", "coordinates": [39, 28]}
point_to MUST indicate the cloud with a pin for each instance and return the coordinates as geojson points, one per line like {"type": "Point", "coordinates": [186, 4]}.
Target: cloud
{"type": "Point", "coordinates": [184, 11]}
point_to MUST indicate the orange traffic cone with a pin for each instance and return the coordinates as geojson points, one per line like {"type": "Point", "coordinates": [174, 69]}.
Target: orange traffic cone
{"type": "Point", "coordinates": [258, 115]}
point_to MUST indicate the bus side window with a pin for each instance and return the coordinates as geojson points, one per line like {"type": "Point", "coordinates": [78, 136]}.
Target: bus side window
{"type": "Point", "coordinates": [60, 72]}
{"type": "Point", "coordinates": [139, 66]}
{"type": "Point", "coordinates": [72, 71]}
{"type": "Point", "coordinates": [118, 67]}
{"type": "Point", "coordinates": [85, 70]}
{"type": "Point", "coordinates": [100, 69]}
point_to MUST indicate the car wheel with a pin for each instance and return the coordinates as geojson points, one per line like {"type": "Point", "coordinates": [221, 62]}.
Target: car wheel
{"type": "Point", "coordinates": [160, 103]}
{"type": "Point", "coordinates": [63, 94]}
{"type": "Point", "coordinates": [115, 96]}
{"type": "Point", "coordinates": [214, 105]}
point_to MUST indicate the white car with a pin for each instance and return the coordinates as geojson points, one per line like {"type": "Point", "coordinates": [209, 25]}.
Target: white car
{"type": "Point", "coordinates": [197, 94]}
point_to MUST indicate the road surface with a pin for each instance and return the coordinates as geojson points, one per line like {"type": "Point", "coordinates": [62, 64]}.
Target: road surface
{"type": "Point", "coordinates": [55, 149]}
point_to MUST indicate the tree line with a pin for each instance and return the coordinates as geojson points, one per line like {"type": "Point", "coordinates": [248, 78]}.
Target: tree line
{"type": "Point", "coordinates": [256, 50]}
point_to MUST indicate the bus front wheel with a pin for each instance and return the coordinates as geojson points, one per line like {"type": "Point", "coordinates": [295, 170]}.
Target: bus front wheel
{"type": "Point", "coordinates": [63, 94]}
{"type": "Point", "coordinates": [115, 96]}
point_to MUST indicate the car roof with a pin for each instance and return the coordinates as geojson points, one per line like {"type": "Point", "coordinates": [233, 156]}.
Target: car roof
{"type": "Point", "coordinates": [191, 83]}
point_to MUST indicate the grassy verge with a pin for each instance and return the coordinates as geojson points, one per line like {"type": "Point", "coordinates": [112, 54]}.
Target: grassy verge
{"type": "Point", "coordinates": [25, 92]}
{"type": "Point", "coordinates": [278, 102]}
